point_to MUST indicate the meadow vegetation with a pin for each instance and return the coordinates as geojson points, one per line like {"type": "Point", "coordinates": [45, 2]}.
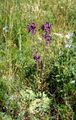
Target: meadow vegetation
{"type": "Point", "coordinates": [37, 81]}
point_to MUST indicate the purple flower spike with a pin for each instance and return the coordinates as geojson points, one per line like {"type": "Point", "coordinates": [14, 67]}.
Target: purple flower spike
{"type": "Point", "coordinates": [46, 27]}
{"type": "Point", "coordinates": [47, 37]}
{"type": "Point", "coordinates": [32, 28]}
{"type": "Point", "coordinates": [36, 57]}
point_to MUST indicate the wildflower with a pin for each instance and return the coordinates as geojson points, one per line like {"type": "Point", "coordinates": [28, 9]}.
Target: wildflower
{"type": "Point", "coordinates": [68, 43]}
{"type": "Point", "coordinates": [5, 29]}
{"type": "Point", "coordinates": [36, 57]}
{"type": "Point", "coordinates": [70, 35]}
{"type": "Point", "coordinates": [47, 37]}
{"type": "Point", "coordinates": [67, 46]}
{"type": "Point", "coordinates": [72, 82]}
{"type": "Point", "coordinates": [46, 27]}
{"type": "Point", "coordinates": [32, 28]}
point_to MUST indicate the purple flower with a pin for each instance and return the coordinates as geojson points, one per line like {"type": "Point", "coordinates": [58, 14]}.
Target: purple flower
{"type": "Point", "coordinates": [46, 27]}
{"type": "Point", "coordinates": [47, 37]}
{"type": "Point", "coordinates": [36, 57]}
{"type": "Point", "coordinates": [32, 28]}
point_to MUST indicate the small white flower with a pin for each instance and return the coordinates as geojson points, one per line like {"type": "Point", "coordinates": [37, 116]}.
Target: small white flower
{"type": "Point", "coordinates": [5, 29]}
{"type": "Point", "coordinates": [11, 97]}
{"type": "Point", "coordinates": [73, 81]}
{"type": "Point", "coordinates": [69, 35]}
{"type": "Point", "coordinates": [68, 43]}
{"type": "Point", "coordinates": [67, 46]}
